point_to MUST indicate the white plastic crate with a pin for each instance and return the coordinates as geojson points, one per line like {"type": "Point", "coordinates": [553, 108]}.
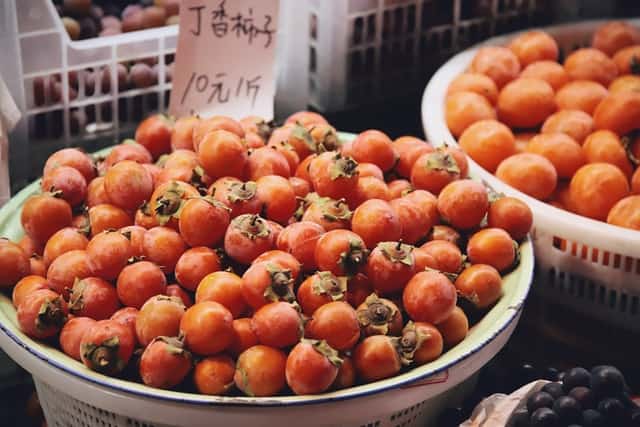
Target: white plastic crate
{"type": "Point", "coordinates": [364, 50]}
{"type": "Point", "coordinates": [588, 266]}
{"type": "Point", "coordinates": [38, 54]}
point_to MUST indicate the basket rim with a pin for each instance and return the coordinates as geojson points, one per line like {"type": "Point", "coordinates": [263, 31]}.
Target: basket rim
{"type": "Point", "coordinates": [607, 236]}
{"type": "Point", "coordinates": [501, 323]}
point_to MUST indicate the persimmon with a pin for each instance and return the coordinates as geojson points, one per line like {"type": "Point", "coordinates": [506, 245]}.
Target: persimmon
{"type": "Point", "coordinates": [154, 134]}
{"type": "Point", "coordinates": [240, 197]}
{"type": "Point", "coordinates": [25, 286]}
{"type": "Point", "coordinates": [165, 362]}
{"type": "Point", "coordinates": [549, 71]}
{"type": "Point", "coordinates": [474, 82]}
{"type": "Point", "coordinates": [277, 196]}
{"type": "Point", "coordinates": [488, 142]}
{"type": "Point", "coordinates": [267, 282]}
{"type": "Point", "coordinates": [194, 265]}
{"type": "Point", "coordinates": [44, 214]}
{"type": "Point", "coordinates": [533, 46]}
{"type": "Point", "coordinates": [330, 214]}
{"type": "Point", "coordinates": [299, 239]}
{"type": "Point", "coordinates": [243, 338]}
{"type": "Point", "coordinates": [420, 343]}
{"type": "Point", "coordinates": [306, 118]}
{"type": "Point", "coordinates": [277, 324]}
{"type": "Point", "coordinates": [379, 316]}
{"type": "Point", "coordinates": [128, 150]}
{"type": "Point", "coordinates": [596, 187]}
{"type": "Point", "coordinates": [511, 215]}
{"type": "Point", "coordinates": [159, 316]}
{"type": "Point", "coordinates": [337, 323]}
{"type": "Point", "coordinates": [203, 221]}
{"type": "Point", "coordinates": [370, 170]}
{"type": "Point", "coordinates": [413, 220]}
{"type": "Point", "coordinates": [368, 187]}
{"type": "Point", "coordinates": [525, 102]}
{"type": "Point", "coordinates": [312, 366]}
{"type": "Point", "coordinates": [618, 112]}
{"type": "Point", "coordinates": [575, 123]}
{"type": "Point", "coordinates": [604, 146]}
{"type": "Point", "coordinates": [630, 82]}
{"type": "Point", "coordinates": [591, 64]}
{"type": "Point", "coordinates": [376, 358]}
{"type": "Point", "coordinates": [390, 266]}
{"type": "Point", "coordinates": [72, 157]}
{"type": "Point", "coordinates": [163, 246]}
{"type": "Point", "coordinates": [68, 181]}
{"type": "Point", "coordinates": [613, 36]}
{"type": "Point", "coordinates": [265, 161]}
{"type": "Point", "coordinates": [247, 237]}
{"type": "Point", "coordinates": [492, 246]}
{"type": "Point", "coordinates": [319, 289]}
{"type": "Point", "coordinates": [182, 133]}
{"type": "Point", "coordinates": [462, 109]}
{"type": "Point", "coordinates": [66, 268]}
{"type": "Point", "coordinates": [564, 153]}
{"type": "Point", "coordinates": [128, 184]}
{"type": "Point", "coordinates": [107, 347]}
{"type": "Point", "coordinates": [530, 173]}
{"type": "Point", "coordinates": [444, 256]}
{"type": "Point", "coordinates": [373, 146]}
{"type": "Point", "coordinates": [626, 213]}
{"type": "Point", "coordinates": [627, 59]}
{"type": "Point", "coordinates": [463, 203]}
{"type": "Point", "coordinates": [225, 288]}
{"type": "Point", "coordinates": [582, 95]}
{"type": "Point", "coordinates": [140, 281]}
{"type": "Point", "coordinates": [107, 216]}
{"type": "Point", "coordinates": [433, 171]}
{"type": "Point", "coordinates": [14, 263]}
{"type": "Point", "coordinates": [213, 375]}
{"type": "Point", "coordinates": [260, 371]}
{"type": "Point", "coordinates": [454, 328]}
{"type": "Point", "coordinates": [212, 124]}
{"type": "Point", "coordinates": [398, 188]}
{"type": "Point", "coordinates": [333, 175]}
{"type": "Point", "coordinates": [221, 153]}
{"type": "Point", "coordinates": [42, 314]}
{"type": "Point", "coordinates": [375, 221]}
{"type": "Point", "coordinates": [207, 328]}
{"type": "Point", "coordinates": [499, 63]}
{"type": "Point", "coordinates": [481, 284]}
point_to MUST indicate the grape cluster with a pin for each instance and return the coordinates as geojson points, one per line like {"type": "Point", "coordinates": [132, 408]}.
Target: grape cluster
{"type": "Point", "coordinates": [582, 398]}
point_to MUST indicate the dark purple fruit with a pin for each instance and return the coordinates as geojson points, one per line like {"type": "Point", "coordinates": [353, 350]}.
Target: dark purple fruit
{"type": "Point", "coordinates": [111, 22]}
{"type": "Point", "coordinates": [153, 16]}
{"type": "Point", "coordinates": [130, 9]}
{"type": "Point", "coordinates": [76, 8]}
{"type": "Point", "coordinates": [133, 22]}
{"type": "Point", "coordinates": [545, 417]}
{"type": "Point", "coordinates": [141, 75]}
{"type": "Point", "coordinates": [551, 374]}
{"type": "Point", "coordinates": [575, 377]}
{"type": "Point", "coordinates": [539, 400]}
{"type": "Point", "coordinates": [519, 418]}
{"type": "Point", "coordinates": [613, 411]}
{"type": "Point", "coordinates": [584, 396]}
{"type": "Point", "coordinates": [592, 418]}
{"type": "Point", "coordinates": [88, 28]}
{"type": "Point", "coordinates": [568, 409]}
{"type": "Point", "coordinates": [554, 389]}
{"type": "Point", "coordinates": [607, 382]}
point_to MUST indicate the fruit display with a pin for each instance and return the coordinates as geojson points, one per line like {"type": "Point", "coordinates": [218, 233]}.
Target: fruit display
{"type": "Point", "coordinates": [240, 257]}
{"type": "Point", "coordinates": [564, 132]}
{"type": "Point", "coordinates": [85, 19]}
{"type": "Point", "coordinates": [580, 397]}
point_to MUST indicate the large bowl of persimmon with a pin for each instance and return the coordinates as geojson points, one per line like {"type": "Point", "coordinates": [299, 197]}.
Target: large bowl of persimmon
{"type": "Point", "coordinates": [552, 116]}
{"type": "Point", "coordinates": [229, 272]}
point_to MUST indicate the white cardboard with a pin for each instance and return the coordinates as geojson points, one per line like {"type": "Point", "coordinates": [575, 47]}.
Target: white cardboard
{"type": "Point", "coordinates": [225, 58]}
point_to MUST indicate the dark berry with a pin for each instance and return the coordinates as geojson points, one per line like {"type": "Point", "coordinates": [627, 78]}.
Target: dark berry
{"type": "Point", "coordinates": [584, 396]}
{"type": "Point", "coordinates": [613, 411]}
{"type": "Point", "coordinates": [544, 417]}
{"type": "Point", "coordinates": [519, 418]}
{"type": "Point", "coordinates": [451, 417]}
{"type": "Point", "coordinates": [551, 374]}
{"type": "Point", "coordinates": [592, 418]}
{"type": "Point", "coordinates": [554, 389]}
{"type": "Point", "coordinates": [567, 408]}
{"type": "Point", "coordinates": [575, 377]}
{"type": "Point", "coordinates": [607, 381]}
{"type": "Point", "coordinates": [538, 400]}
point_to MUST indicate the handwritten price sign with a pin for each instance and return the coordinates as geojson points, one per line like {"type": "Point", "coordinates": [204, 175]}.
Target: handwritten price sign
{"type": "Point", "coordinates": [225, 58]}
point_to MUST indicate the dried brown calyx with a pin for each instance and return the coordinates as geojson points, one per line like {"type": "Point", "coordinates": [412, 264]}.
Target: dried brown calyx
{"type": "Point", "coordinates": [104, 357]}
{"type": "Point", "coordinates": [343, 167]}
{"type": "Point", "coordinates": [281, 286]}
{"type": "Point", "coordinates": [334, 210]}
{"type": "Point", "coordinates": [170, 203]}
{"type": "Point", "coordinates": [251, 226]}
{"type": "Point", "coordinates": [51, 314]}
{"type": "Point", "coordinates": [441, 161]}
{"type": "Point", "coordinates": [354, 257]}
{"type": "Point", "coordinates": [410, 341]}
{"type": "Point", "coordinates": [326, 283]}
{"type": "Point", "coordinates": [378, 316]}
{"type": "Point", "coordinates": [397, 252]}
{"type": "Point", "coordinates": [322, 347]}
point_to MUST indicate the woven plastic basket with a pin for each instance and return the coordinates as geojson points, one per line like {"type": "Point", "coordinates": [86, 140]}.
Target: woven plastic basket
{"type": "Point", "coordinates": [73, 396]}
{"type": "Point", "coordinates": [590, 266]}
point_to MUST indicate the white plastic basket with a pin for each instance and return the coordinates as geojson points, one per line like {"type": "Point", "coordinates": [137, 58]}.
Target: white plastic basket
{"type": "Point", "coordinates": [588, 265]}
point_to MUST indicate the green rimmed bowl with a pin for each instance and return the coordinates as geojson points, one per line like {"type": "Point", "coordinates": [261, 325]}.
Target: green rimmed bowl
{"type": "Point", "coordinates": [73, 395]}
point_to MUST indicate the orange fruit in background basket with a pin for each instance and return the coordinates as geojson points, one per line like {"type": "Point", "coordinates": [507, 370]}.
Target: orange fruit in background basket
{"type": "Point", "coordinates": [628, 60]}
{"type": "Point", "coordinates": [626, 213]}
{"type": "Point", "coordinates": [591, 64]}
{"type": "Point", "coordinates": [604, 146]}
{"type": "Point", "coordinates": [530, 173]}
{"type": "Point", "coordinates": [525, 102]}
{"type": "Point", "coordinates": [561, 198]}
{"type": "Point", "coordinates": [475, 82]}
{"type": "Point", "coordinates": [595, 188]}
{"type": "Point", "coordinates": [488, 142]}
{"type": "Point", "coordinates": [499, 63]}
{"type": "Point", "coordinates": [613, 36]}
{"type": "Point", "coordinates": [522, 139]}
{"type": "Point", "coordinates": [462, 109]}
{"type": "Point", "coordinates": [575, 123]}
{"type": "Point", "coordinates": [625, 83]}
{"type": "Point", "coordinates": [561, 150]}
{"type": "Point", "coordinates": [635, 182]}
{"type": "Point", "coordinates": [582, 95]}
{"type": "Point", "coordinates": [619, 112]}
{"type": "Point", "coordinates": [549, 71]}
{"type": "Point", "coordinates": [534, 46]}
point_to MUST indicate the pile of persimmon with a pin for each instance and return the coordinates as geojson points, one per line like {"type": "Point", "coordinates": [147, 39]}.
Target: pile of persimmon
{"type": "Point", "coordinates": [217, 256]}
{"type": "Point", "coordinates": [566, 133]}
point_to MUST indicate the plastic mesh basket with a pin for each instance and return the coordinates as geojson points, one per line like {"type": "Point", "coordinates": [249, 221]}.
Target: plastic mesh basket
{"type": "Point", "coordinates": [589, 266]}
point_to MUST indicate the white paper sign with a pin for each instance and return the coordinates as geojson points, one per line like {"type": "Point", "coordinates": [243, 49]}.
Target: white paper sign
{"type": "Point", "coordinates": [225, 58]}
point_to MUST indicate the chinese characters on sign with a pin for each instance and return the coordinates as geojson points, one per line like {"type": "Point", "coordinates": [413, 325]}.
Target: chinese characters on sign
{"type": "Point", "coordinates": [225, 58]}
